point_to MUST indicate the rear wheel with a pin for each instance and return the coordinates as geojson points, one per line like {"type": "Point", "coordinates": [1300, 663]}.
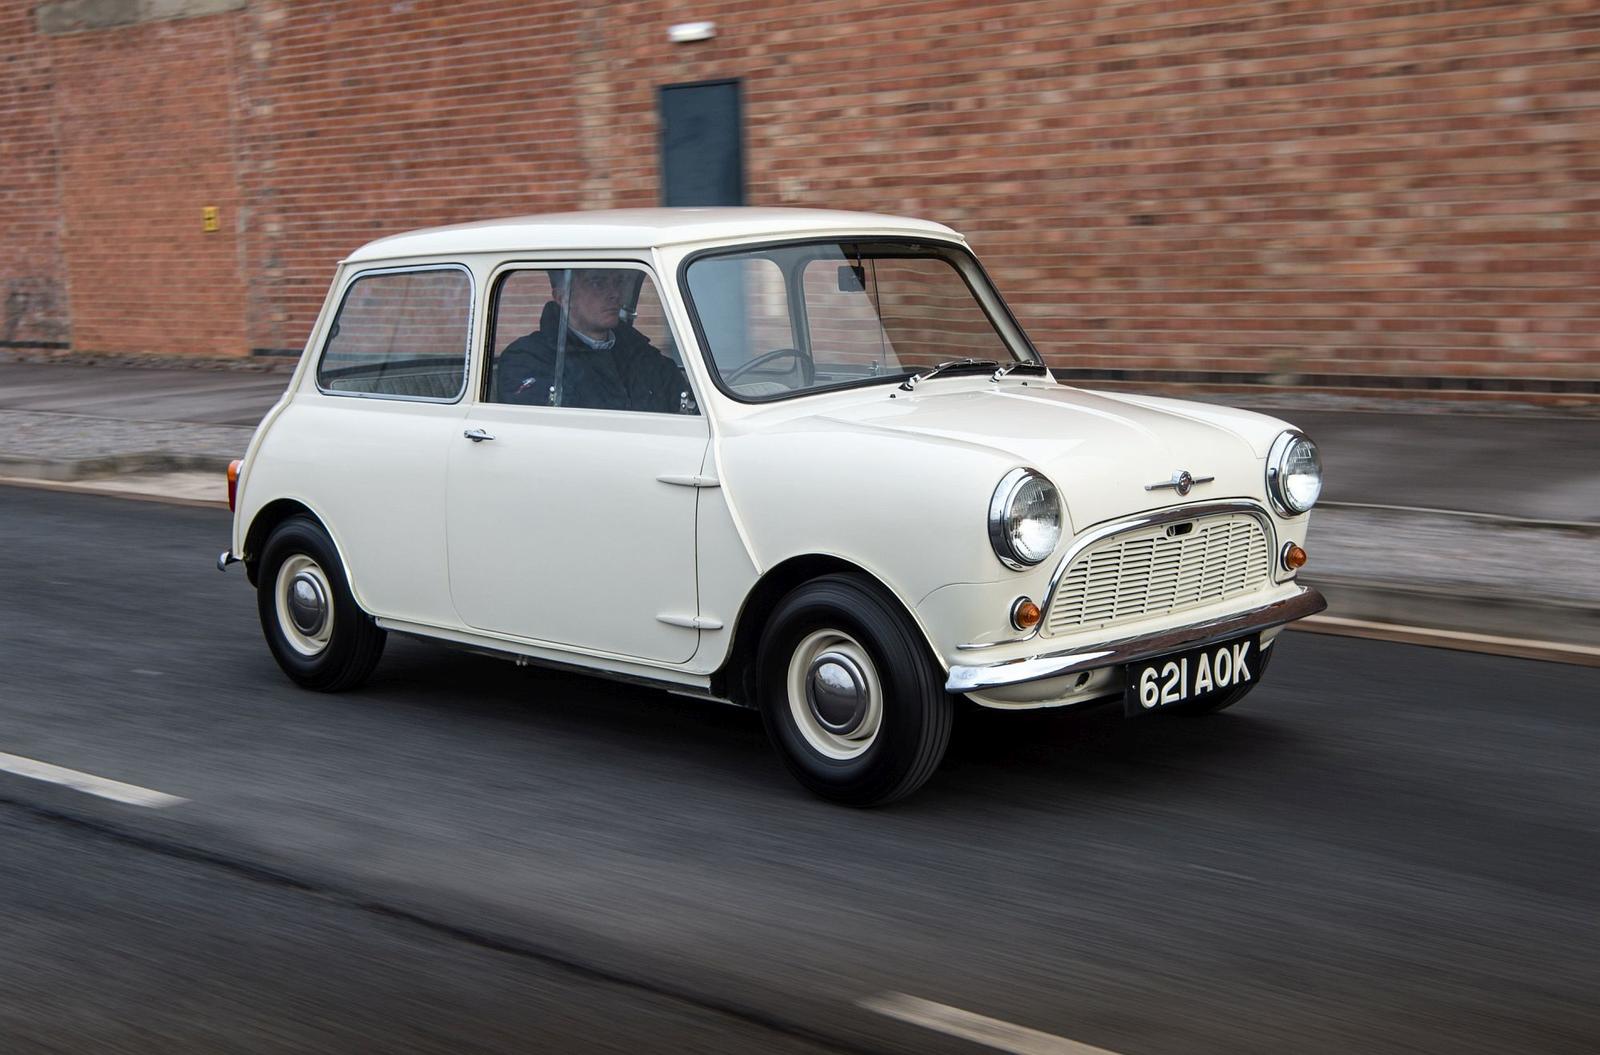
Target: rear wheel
{"type": "Point", "coordinates": [849, 695]}
{"type": "Point", "coordinates": [316, 631]}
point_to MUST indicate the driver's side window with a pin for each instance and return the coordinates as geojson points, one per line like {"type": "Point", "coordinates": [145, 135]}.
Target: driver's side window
{"type": "Point", "coordinates": [588, 337]}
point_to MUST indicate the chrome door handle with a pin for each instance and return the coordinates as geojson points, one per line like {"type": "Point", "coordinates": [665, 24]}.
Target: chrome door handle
{"type": "Point", "coordinates": [477, 435]}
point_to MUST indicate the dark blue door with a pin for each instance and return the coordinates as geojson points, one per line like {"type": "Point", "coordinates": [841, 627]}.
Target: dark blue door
{"type": "Point", "coordinates": [702, 146]}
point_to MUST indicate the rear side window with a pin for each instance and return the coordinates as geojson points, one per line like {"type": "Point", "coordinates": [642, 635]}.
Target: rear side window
{"type": "Point", "coordinates": [401, 335]}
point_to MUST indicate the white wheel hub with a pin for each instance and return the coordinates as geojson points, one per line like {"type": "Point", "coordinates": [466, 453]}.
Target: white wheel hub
{"type": "Point", "coordinates": [304, 601]}
{"type": "Point", "coordinates": [835, 696]}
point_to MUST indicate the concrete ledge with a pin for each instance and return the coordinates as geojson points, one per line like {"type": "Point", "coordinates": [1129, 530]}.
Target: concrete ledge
{"type": "Point", "coordinates": [25, 468]}
{"type": "Point", "coordinates": [80, 16]}
{"type": "Point", "coordinates": [196, 490]}
{"type": "Point", "coordinates": [1465, 610]}
{"type": "Point", "coordinates": [38, 353]}
{"type": "Point", "coordinates": [1493, 644]}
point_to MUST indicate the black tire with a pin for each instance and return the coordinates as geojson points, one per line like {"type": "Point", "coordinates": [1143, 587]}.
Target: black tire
{"type": "Point", "coordinates": [335, 655]}
{"type": "Point", "coordinates": [1221, 703]}
{"type": "Point", "coordinates": [913, 717]}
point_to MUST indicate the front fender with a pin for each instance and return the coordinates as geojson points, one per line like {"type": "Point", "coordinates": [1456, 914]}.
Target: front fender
{"type": "Point", "coordinates": [910, 511]}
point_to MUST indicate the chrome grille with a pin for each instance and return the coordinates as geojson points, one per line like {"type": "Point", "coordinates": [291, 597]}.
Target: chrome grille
{"type": "Point", "coordinates": [1151, 571]}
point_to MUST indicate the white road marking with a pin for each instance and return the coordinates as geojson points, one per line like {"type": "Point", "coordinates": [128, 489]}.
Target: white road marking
{"type": "Point", "coordinates": [980, 1029]}
{"type": "Point", "coordinates": [87, 782]}
{"type": "Point", "coordinates": [1560, 651]}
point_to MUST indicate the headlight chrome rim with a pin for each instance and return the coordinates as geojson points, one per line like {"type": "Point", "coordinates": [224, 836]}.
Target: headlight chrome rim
{"type": "Point", "coordinates": [1277, 462]}
{"type": "Point", "coordinates": [1000, 506]}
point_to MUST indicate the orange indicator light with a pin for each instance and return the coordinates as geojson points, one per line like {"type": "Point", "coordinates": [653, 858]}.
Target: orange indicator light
{"type": "Point", "coordinates": [1293, 557]}
{"type": "Point", "coordinates": [1024, 614]}
{"type": "Point", "coordinates": [233, 482]}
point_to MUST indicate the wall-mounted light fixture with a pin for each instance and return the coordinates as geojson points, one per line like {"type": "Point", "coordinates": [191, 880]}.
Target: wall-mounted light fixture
{"type": "Point", "coordinates": [689, 32]}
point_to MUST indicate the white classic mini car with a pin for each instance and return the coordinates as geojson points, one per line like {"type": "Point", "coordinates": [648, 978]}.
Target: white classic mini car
{"type": "Point", "coordinates": [796, 460]}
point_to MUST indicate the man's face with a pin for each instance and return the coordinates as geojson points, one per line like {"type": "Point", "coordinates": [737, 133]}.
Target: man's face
{"type": "Point", "coordinates": [594, 302]}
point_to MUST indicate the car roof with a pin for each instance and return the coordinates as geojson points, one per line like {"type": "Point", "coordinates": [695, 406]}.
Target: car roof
{"type": "Point", "coordinates": [639, 229]}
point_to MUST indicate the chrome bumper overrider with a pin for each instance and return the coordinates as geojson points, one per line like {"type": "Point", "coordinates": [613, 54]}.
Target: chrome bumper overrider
{"type": "Point", "coordinates": [1131, 649]}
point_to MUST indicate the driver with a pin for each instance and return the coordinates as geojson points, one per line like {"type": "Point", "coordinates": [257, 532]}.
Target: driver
{"type": "Point", "coordinates": [602, 361]}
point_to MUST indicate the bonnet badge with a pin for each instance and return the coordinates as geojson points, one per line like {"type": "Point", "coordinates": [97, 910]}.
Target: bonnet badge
{"type": "Point", "coordinates": [1182, 481]}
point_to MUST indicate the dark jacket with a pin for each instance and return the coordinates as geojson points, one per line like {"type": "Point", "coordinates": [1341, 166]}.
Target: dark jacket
{"type": "Point", "coordinates": [630, 375]}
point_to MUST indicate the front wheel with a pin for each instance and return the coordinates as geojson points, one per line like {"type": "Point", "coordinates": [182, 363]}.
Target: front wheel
{"type": "Point", "coordinates": [849, 695]}
{"type": "Point", "coordinates": [316, 631]}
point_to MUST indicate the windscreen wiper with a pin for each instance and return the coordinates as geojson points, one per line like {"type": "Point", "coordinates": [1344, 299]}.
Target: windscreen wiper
{"type": "Point", "coordinates": [950, 366]}
{"type": "Point", "coordinates": [1021, 368]}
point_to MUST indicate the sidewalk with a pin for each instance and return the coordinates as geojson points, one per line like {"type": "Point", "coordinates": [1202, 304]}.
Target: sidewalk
{"type": "Point", "coordinates": [1434, 516]}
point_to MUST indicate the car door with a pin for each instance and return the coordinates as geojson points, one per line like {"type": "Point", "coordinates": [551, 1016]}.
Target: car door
{"type": "Point", "coordinates": [571, 514]}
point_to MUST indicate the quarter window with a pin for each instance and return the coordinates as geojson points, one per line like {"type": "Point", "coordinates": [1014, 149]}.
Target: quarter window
{"type": "Point", "coordinates": [400, 334]}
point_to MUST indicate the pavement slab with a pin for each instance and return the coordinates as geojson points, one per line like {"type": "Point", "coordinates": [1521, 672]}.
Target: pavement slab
{"type": "Point", "coordinates": [225, 397]}
{"type": "Point", "coordinates": [1440, 552]}
{"type": "Point", "coordinates": [50, 445]}
{"type": "Point", "coordinates": [1535, 467]}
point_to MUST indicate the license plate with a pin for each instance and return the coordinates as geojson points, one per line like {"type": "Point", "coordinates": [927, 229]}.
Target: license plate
{"type": "Point", "coordinates": [1200, 674]}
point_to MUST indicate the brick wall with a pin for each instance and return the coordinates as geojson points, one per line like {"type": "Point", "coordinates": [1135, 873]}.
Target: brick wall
{"type": "Point", "coordinates": [1252, 191]}
{"type": "Point", "coordinates": [364, 119]}
{"type": "Point", "coordinates": [145, 119]}
{"type": "Point", "coordinates": [32, 272]}
{"type": "Point", "coordinates": [1406, 189]}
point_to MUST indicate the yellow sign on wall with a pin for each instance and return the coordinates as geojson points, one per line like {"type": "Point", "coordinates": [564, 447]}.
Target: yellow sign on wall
{"type": "Point", "coordinates": [209, 219]}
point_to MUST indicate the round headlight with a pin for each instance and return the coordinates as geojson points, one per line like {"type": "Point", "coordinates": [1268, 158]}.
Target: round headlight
{"type": "Point", "coordinates": [1294, 473]}
{"type": "Point", "coordinates": [1024, 519]}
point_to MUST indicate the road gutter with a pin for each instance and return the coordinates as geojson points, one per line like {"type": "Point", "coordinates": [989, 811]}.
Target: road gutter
{"type": "Point", "coordinates": [1460, 640]}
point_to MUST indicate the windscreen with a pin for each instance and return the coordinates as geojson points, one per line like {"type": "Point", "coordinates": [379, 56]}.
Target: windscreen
{"type": "Point", "coordinates": [783, 320]}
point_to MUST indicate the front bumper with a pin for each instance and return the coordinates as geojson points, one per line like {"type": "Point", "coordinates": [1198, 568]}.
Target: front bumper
{"type": "Point", "coordinates": [964, 679]}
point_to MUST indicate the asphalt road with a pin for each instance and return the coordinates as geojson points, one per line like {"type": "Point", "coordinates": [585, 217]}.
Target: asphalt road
{"type": "Point", "coordinates": [1385, 849]}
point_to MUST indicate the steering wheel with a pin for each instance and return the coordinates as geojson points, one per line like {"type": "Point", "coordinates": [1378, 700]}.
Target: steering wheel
{"type": "Point", "coordinates": [808, 370]}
